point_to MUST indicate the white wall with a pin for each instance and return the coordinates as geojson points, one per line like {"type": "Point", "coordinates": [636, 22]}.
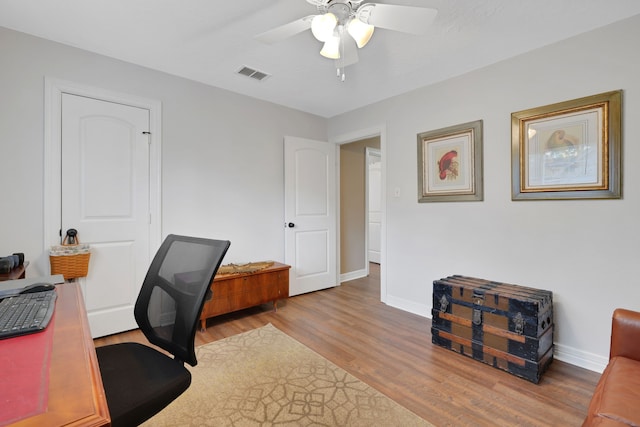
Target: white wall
{"type": "Point", "coordinates": [586, 252]}
{"type": "Point", "coordinates": [222, 153]}
{"type": "Point", "coordinates": [222, 161]}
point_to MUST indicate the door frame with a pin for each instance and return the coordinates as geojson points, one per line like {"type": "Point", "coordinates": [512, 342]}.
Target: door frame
{"type": "Point", "coordinates": [381, 132]}
{"type": "Point", "coordinates": [53, 90]}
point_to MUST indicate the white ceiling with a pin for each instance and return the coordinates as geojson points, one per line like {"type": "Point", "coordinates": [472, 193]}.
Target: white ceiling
{"type": "Point", "coordinates": [210, 40]}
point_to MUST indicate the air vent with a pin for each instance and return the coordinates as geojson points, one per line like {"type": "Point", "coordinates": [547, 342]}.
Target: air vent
{"type": "Point", "coordinates": [254, 74]}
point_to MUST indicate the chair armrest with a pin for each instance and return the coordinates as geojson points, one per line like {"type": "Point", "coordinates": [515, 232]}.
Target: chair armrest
{"type": "Point", "coordinates": [625, 334]}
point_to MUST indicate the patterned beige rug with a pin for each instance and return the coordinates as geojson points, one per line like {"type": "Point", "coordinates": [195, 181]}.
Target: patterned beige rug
{"type": "Point", "coordinates": [266, 378]}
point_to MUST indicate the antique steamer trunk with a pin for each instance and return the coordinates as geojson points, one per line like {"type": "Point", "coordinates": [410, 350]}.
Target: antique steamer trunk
{"type": "Point", "coordinates": [507, 326]}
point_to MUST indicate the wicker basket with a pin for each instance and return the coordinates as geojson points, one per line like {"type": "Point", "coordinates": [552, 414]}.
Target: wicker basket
{"type": "Point", "coordinates": [71, 266]}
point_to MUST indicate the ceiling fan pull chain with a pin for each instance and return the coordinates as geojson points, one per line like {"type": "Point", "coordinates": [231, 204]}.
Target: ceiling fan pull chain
{"type": "Point", "coordinates": [342, 53]}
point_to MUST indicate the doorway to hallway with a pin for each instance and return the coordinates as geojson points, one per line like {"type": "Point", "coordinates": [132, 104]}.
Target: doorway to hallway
{"type": "Point", "coordinates": [360, 207]}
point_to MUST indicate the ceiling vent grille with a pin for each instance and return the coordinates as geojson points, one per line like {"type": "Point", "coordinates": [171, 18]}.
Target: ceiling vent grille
{"type": "Point", "coordinates": [253, 74]}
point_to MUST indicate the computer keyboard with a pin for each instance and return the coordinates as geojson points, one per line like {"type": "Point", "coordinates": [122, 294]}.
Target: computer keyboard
{"type": "Point", "coordinates": [26, 313]}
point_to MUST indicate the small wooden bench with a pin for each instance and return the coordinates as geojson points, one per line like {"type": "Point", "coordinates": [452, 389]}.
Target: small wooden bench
{"type": "Point", "coordinates": [236, 291]}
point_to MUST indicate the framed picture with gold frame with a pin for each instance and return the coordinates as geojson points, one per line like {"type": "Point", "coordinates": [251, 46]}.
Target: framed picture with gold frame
{"type": "Point", "coordinates": [450, 164]}
{"type": "Point", "coordinates": [568, 150]}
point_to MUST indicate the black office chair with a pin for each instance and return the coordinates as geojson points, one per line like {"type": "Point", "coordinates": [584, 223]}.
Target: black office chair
{"type": "Point", "coordinates": [140, 381]}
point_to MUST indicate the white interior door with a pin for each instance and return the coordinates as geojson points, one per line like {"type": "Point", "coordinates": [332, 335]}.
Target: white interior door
{"type": "Point", "coordinates": [310, 214]}
{"type": "Point", "coordinates": [105, 196]}
{"type": "Point", "coordinates": [374, 203]}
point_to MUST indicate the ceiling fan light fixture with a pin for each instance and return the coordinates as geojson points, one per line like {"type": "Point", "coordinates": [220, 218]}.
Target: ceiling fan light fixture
{"type": "Point", "coordinates": [331, 48]}
{"type": "Point", "coordinates": [360, 32]}
{"type": "Point", "coordinates": [322, 26]}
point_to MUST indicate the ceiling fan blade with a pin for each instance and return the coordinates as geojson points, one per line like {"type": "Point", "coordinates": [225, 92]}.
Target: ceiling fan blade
{"type": "Point", "coordinates": [285, 31]}
{"type": "Point", "coordinates": [348, 51]}
{"type": "Point", "coordinates": [406, 19]}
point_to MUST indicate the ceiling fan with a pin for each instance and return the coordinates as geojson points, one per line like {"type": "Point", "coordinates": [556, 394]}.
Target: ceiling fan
{"type": "Point", "coordinates": [344, 26]}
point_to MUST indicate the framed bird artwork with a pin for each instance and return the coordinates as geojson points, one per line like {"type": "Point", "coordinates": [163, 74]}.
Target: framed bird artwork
{"type": "Point", "coordinates": [450, 164]}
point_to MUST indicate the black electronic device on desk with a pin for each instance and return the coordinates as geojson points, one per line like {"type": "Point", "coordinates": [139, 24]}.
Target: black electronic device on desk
{"type": "Point", "coordinates": [27, 311]}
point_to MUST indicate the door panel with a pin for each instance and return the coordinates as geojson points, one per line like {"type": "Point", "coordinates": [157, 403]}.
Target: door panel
{"type": "Point", "coordinates": [114, 293]}
{"type": "Point", "coordinates": [105, 196]}
{"type": "Point", "coordinates": [315, 261]}
{"type": "Point", "coordinates": [310, 206]}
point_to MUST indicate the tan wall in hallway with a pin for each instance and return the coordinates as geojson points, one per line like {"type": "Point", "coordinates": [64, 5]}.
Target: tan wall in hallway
{"type": "Point", "coordinates": [352, 204]}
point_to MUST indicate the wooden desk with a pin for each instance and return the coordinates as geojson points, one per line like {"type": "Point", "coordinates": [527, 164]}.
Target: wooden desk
{"type": "Point", "coordinates": [76, 395]}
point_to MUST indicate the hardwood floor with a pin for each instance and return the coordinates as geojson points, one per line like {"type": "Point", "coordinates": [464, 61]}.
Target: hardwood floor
{"type": "Point", "coordinates": [391, 350]}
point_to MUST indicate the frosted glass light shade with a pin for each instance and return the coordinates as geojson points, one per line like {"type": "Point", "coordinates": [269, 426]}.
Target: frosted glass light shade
{"type": "Point", "coordinates": [331, 48]}
{"type": "Point", "coordinates": [360, 31]}
{"type": "Point", "coordinates": [322, 26]}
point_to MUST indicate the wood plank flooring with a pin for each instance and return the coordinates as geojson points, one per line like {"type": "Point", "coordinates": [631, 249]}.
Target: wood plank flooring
{"type": "Point", "coordinates": [391, 350]}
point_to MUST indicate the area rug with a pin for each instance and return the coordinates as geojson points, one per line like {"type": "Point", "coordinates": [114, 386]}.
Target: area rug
{"type": "Point", "coordinates": [266, 378]}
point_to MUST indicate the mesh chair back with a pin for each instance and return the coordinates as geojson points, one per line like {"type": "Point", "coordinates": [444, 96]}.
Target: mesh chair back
{"type": "Point", "coordinates": [173, 292]}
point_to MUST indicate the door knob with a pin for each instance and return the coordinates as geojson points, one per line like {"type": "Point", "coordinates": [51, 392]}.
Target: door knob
{"type": "Point", "coordinates": [291, 225]}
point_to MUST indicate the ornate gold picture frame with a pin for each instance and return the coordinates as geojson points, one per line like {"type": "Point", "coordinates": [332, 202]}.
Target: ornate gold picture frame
{"type": "Point", "coordinates": [450, 164]}
{"type": "Point", "coordinates": [568, 150]}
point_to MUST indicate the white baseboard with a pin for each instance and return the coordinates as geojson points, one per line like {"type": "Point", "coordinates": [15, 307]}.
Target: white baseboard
{"type": "Point", "coordinates": [352, 275]}
{"type": "Point", "coordinates": [580, 358]}
{"type": "Point", "coordinates": [573, 356]}
{"type": "Point", "coordinates": [410, 306]}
